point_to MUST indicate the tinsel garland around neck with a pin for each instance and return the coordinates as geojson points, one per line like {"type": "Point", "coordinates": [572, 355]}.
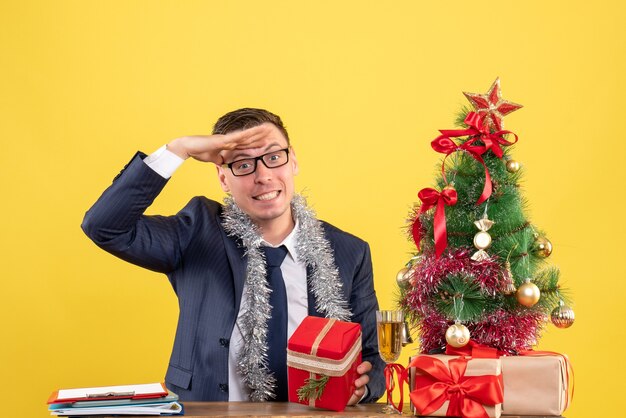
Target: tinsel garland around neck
{"type": "Point", "coordinates": [315, 251]}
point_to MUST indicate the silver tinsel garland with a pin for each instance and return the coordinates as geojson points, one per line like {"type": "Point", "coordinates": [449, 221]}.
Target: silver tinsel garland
{"type": "Point", "coordinates": [314, 250]}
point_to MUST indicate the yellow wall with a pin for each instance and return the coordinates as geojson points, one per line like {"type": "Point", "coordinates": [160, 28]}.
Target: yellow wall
{"type": "Point", "coordinates": [363, 87]}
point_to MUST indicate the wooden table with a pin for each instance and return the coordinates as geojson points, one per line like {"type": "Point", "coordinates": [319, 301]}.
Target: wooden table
{"type": "Point", "coordinates": [278, 409]}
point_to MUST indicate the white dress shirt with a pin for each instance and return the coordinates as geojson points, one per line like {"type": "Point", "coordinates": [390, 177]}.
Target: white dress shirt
{"type": "Point", "coordinates": [294, 275]}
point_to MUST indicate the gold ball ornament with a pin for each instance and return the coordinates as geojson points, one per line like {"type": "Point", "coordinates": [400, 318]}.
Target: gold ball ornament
{"type": "Point", "coordinates": [512, 166]}
{"type": "Point", "coordinates": [542, 247]}
{"type": "Point", "coordinates": [403, 276]}
{"type": "Point", "coordinates": [482, 240]}
{"type": "Point", "coordinates": [457, 335]}
{"type": "Point", "coordinates": [562, 316]}
{"type": "Point", "coordinates": [449, 187]}
{"type": "Point", "coordinates": [528, 294]}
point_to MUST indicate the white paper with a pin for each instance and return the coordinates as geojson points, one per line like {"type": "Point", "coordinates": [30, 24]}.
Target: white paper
{"type": "Point", "coordinates": [84, 392]}
{"type": "Point", "coordinates": [143, 409]}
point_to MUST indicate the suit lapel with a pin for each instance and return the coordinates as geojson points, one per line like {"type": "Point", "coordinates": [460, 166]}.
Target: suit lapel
{"type": "Point", "coordinates": [237, 262]}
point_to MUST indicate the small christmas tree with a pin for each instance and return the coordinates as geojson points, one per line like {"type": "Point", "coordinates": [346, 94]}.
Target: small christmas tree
{"type": "Point", "coordinates": [480, 268]}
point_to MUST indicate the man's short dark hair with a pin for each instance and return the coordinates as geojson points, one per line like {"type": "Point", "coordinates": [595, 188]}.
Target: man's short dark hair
{"type": "Point", "coordinates": [248, 118]}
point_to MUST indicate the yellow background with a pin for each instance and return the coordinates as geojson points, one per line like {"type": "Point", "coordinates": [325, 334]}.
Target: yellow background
{"type": "Point", "coordinates": [363, 87]}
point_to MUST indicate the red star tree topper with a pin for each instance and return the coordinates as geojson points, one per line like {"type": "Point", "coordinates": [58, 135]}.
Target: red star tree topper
{"type": "Point", "coordinates": [492, 106]}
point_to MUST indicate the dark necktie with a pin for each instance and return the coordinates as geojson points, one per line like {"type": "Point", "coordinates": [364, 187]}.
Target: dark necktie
{"type": "Point", "coordinates": [277, 324]}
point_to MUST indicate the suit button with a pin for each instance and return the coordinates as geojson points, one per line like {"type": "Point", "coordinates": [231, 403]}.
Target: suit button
{"type": "Point", "coordinates": [224, 387]}
{"type": "Point", "coordinates": [224, 342]}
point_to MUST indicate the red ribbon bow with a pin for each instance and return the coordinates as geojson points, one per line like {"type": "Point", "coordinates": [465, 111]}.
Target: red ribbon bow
{"type": "Point", "coordinates": [430, 198]}
{"type": "Point", "coordinates": [479, 131]}
{"type": "Point", "coordinates": [467, 394]}
{"type": "Point", "coordinates": [474, 349]}
{"type": "Point", "coordinates": [390, 383]}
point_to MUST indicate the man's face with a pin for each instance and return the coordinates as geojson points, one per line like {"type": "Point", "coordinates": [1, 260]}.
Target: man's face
{"type": "Point", "coordinates": [266, 194]}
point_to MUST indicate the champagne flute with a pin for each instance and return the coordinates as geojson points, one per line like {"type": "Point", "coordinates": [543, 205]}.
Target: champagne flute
{"type": "Point", "coordinates": [389, 325]}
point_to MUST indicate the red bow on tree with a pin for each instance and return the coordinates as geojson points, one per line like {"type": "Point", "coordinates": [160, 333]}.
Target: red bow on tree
{"type": "Point", "coordinates": [479, 131]}
{"type": "Point", "coordinates": [475, 350]}
{"type": "Point", "coordinates": [438, 383]}
{"type": "Point", "coordinates": [430, 198]}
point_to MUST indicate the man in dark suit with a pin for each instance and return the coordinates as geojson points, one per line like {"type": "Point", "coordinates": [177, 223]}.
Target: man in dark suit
{"type": "Point", "coordinates": [212, 255]}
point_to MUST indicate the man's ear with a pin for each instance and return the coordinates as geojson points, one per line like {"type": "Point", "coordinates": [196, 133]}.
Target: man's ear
{"type": "Point", "coordinates": [221, 175]}
{"type": "Point", "coordinates": [294, 161]}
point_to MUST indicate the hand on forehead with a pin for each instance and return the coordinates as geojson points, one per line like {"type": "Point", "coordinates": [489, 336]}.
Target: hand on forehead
{"type": "Point", "coordinates": [253, 141]}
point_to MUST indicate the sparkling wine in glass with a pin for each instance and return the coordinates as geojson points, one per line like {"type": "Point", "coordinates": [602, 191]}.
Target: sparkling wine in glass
{"type": "Point", "coordinates": [389, 325]}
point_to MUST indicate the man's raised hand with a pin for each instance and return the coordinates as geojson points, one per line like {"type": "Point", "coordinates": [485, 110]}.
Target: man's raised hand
{"type": "Point", "coordinates": [208, 148]}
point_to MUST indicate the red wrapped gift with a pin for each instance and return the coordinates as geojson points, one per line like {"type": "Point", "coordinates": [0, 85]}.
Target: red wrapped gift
{"type": "Point", "coordinates": [322, 357]}
{"type": "Point", "coordinates": [443, 385]}
{"type": "Point", "coordinates": [541, 376]}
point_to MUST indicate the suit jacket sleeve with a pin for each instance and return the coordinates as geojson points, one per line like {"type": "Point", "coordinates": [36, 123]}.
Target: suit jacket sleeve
{"type": "Point", "coordinates": [117, 224]}
{"type": "Point", "coordinates": [364, 304]}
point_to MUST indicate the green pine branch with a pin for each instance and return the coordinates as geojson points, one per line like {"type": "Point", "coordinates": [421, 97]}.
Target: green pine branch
{"type": "Point", "coordinates": [312, 388]}
{"type": "Point", "coordinates": [460, 298]}
{"type": "Point", "coordinates": [547, 281]}
{"type": "Point", "coordinates": [460, 117]}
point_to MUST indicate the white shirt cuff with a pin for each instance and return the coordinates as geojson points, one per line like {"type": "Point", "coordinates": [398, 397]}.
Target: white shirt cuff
{"type": "Point", "coordinates": [164, 162]}
{"type": "Point", "coordinates": [365, 393]}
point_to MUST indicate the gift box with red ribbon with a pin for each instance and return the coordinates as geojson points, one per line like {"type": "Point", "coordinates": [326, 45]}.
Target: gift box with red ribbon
{"type": "Point", "coordinates": [535, 383]}
{"type": "Point", "coordinates": [541, 376]}
{"type": "Point", "coordinates": [456, 386]}
{"type": "Point", "coordinates": [322, 357]}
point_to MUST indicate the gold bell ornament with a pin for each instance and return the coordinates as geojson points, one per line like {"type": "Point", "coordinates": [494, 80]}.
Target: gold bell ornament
{"type": "Point", "coordinates": [406, 334]}
{"type": "Point", "coordinates": [509, 283]}
{"type": "Point", "coordinates": [528, 294]}
{"type": "Point", "coordinates": [562, 316]}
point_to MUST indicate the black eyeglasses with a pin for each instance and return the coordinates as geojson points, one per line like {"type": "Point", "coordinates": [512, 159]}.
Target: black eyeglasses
{"type": "Point", "coordinates": [247, 166]}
